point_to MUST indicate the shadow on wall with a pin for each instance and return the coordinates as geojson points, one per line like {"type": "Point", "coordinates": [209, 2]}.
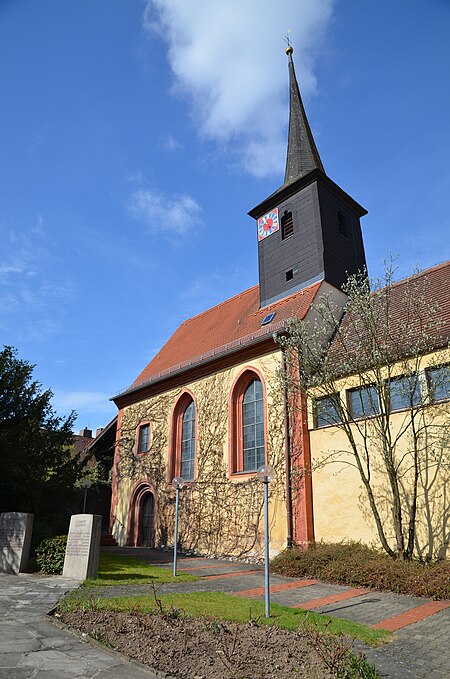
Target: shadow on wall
{"type": "Point", "coordinates": [432, 526]}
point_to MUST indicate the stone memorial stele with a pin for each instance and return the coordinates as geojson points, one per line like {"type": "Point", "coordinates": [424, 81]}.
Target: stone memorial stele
{"type": "Point", "coordinates": [15, 541]}
{"type": "Point", "coordinates": [83, 547]}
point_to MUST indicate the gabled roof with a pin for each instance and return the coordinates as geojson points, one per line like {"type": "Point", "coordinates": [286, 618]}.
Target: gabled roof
{"type": "Point", "coordinates": [418, 310]}
{"type": "Point", "coordinates": [104, 440]}
{"type": "Point", "coordinates": [222, 329]}
{"type": "Point", "coordinates": [80, 443]}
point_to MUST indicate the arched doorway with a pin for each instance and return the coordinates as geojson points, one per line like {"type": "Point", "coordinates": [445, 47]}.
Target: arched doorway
{"type": "Point", "coordinates": [142, 516]}
{"type": "Point", "coordinates": [146, 535]}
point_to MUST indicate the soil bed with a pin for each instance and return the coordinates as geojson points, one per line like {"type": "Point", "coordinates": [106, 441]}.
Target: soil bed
{"type": "Point", "coordinates": [200, 648]}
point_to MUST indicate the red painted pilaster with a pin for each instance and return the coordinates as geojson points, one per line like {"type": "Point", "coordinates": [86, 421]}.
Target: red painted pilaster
{"type": "Point", "coordinates": [114, 479]}
{"type": "Point", "coordinates": [301, 471]}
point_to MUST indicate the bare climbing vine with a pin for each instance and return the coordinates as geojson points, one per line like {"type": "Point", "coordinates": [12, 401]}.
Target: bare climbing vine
{"type": "Point", "coordinates": [218, 515]}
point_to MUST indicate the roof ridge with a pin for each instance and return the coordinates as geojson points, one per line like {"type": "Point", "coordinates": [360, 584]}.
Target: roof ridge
{"type": "Point", "coordinates": [418, 274]}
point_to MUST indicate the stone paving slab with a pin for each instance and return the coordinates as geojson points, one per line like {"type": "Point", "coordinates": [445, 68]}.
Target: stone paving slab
{"type": "Point", "coordinates": [32, 646]}
{"type": "Point", "coordinates": [416, 614]}
{"type": "Point", "coordinates": [419, 651]}
{"type": "Point", "coordinates": [293, 584]}
{"type": "Point", "coordinates": [250, 580]}
{"type": "Point", "coordinates": [373, 607]}
{"type": "Point", "coordinates": [314, 604]}
{"type": "Point", "coordinates": [294, 597]}
{"type": "Point", "coordinates": [218, 570]}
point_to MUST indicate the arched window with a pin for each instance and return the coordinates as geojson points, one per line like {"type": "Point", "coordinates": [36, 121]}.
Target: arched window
{"type": "Point", "coordinates": [248, 424]}
{"type": "Point", "coordinates": [188, 442]}
{"type": "Point", "coordinates": [182, 439]}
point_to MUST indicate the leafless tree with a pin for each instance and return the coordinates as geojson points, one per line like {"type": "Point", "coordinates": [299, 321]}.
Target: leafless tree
{"type": "Point", "coordinates": [378, 370]}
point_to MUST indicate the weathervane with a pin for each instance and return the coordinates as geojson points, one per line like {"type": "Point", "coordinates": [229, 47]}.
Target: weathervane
{"type": "Point", "coordinates": [289, 48]}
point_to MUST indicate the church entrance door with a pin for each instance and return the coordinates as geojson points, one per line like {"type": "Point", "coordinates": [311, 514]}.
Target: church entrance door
{"type": "Point", "coordinates": [147, 521]}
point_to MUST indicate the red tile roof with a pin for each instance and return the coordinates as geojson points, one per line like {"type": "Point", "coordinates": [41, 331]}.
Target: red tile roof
{"type": "Point", "coordinates": [419, 317]}
{"type": "Point", "coordinates": [80, 443]}
{"type": "Point", "coordinates": [228, 325]}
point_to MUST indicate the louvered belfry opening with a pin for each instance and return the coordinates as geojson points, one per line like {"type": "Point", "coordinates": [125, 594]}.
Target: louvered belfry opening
{"type": "Point", "coordinates": [325, 242]}
{"type": "Point", "coordinates": [342, 224]}
{"type": "Point", "coordinates": [287, 225]}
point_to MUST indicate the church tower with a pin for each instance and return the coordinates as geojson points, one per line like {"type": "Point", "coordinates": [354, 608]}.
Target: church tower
{"type": "Point", "coordinates": [309, 229]}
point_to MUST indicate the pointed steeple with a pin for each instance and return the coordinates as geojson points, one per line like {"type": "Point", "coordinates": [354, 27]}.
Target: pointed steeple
{"type": "Point", "coordinates": [302, 153]}
{"type": "Point", "coordinates": [309, 229]}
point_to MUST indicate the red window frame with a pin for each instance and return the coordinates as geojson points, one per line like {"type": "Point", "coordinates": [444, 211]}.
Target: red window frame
{"type": "Point", "coordinates": [236, 453]}
{"type": "Point", "coordinates": [139, 432]}
{"type": "Point", "coordinates": [176, 427]}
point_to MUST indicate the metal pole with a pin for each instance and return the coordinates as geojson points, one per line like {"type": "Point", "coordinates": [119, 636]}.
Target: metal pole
{"type": "Point", "coordinates": [266, 547]}
{"type": "Point", "coordinates": [175, 544]}
{"type": "Point", "coordinates": [84, 501]}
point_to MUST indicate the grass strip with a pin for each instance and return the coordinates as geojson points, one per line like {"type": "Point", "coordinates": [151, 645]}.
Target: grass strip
{"type": "Point", "coordinates": [129, 570]}
{"type": "Point", "coordinates": [221, 606]}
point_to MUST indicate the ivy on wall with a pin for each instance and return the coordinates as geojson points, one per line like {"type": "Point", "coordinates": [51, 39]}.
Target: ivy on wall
{"type": "Point", "coordinates": [217, 515]}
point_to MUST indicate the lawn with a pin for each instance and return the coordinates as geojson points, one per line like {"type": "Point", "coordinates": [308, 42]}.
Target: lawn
{"type": "Point", "coordinates": [128, 570]}
{"type": "Point", "coordinates": [221, 606]}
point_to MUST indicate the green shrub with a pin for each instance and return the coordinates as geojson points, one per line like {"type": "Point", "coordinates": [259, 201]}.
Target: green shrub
{"type": "Point", "coordinates": [357, 565]}
{"type": "Point", "coordinates": [50, 554]}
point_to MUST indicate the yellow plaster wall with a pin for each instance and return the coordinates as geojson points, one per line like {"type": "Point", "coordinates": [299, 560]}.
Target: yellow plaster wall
{"type": "Point", "coordinates": [218, 514]}
{"type": "Point", "coordinates": [341, 508]}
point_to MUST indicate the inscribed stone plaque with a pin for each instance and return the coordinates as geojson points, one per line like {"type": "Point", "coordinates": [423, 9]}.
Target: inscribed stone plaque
{"type": "Point", "coordinates": [15, 541]}
{"type": "Point", "coordinates": [83, 547]}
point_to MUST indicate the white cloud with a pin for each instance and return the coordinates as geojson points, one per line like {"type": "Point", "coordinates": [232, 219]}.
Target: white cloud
{"type": "Point", "coordinates": [31, 288]}
{"type": "Point", "coordinates": [172, 144]}
{"type": "Point", "coordinates": [6, 269]}
{"type": "Point", "coordinates": [209, 289]}
{"type": "Point", "coordinates": [227, 59]}
{"type": "Point", "coordinates": [167, 216]}
{"type": "Point", "coordinates": [39, 227]}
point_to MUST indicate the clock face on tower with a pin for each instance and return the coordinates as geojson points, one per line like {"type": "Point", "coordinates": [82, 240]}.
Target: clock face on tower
{"type": "Point", "coordinates": [268, 224]}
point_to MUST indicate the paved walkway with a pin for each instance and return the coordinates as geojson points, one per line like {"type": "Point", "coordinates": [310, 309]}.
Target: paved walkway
{"type": "Point", "coordinates": [31, 646]}
{"type": "Point", "coordinates": [421, 645]}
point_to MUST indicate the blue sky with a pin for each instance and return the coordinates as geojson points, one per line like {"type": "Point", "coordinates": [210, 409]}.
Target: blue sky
{"type": "Point", "coordinates": [135, 136]}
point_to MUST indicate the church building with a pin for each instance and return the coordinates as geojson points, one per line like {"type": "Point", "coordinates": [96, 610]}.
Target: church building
{"type": "Point", "coordinates": [211, 406]}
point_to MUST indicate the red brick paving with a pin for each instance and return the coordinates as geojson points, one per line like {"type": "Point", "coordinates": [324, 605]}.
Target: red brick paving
{"type": "Point", "coordinates": [276, 588]}
{"type": "Point", "coordinates": [229, 575]}
{"type": "Point", "coordinates": [415, 614]}
{"type": "Point", "coordinates": [331, 599]}
{"type": "Point", "coordinates": [169, 561]}
{"type": "Point", "coordinates": [214, 565]}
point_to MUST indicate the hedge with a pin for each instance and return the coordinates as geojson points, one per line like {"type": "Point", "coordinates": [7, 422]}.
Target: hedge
{"type": "Point", "coordinates": [50, 554]}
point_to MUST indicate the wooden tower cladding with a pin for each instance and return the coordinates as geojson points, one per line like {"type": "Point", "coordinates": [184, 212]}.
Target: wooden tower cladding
{"type": "Point", "coordinates": [309, 229]}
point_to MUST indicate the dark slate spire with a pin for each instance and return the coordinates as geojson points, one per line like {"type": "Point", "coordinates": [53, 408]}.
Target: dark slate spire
{"type": "Point", "coordinates": [302, 153]}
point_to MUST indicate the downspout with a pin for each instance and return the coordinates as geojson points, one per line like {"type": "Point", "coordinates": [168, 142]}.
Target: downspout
{"type": "Point", "coordinates": [287, 452]}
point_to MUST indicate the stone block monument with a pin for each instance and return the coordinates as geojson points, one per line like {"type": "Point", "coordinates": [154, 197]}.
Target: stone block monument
{"type": "Point", "coordinates": [83, 547]}
{"type": "Point", "coordinates": [15, 540]}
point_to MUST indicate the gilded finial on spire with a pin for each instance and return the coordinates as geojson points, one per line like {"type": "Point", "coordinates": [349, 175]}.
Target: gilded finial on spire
{"type": "Point", "coordinates": [302, 154]}
{"type": "Point", "coordinates": [289, 48]}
